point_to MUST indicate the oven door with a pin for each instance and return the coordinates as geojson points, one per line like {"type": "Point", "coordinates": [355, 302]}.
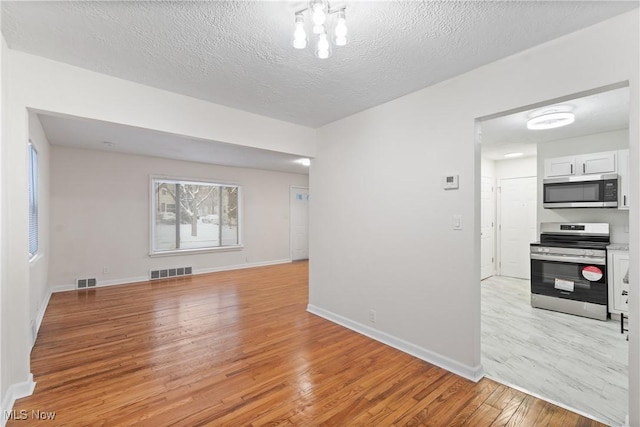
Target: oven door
{"type": "Point", "coordinates": [576, 279]}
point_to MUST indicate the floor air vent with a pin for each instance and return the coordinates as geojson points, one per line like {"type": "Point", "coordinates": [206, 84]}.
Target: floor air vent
{"type": "Point", "coordinates": [86, 283]}
{"type": "Point", "coordinates": [170, 272]}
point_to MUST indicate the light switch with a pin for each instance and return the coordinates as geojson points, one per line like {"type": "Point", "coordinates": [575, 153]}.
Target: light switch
{"type": "Point", "coordinates": [457, 222]}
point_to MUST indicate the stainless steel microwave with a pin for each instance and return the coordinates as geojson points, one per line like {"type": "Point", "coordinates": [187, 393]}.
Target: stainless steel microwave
{"type": "Point", "coordinates": [581, 191]}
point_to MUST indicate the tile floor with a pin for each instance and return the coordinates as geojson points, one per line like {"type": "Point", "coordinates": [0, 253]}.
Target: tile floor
{"type": "Point", "coordinates": [577, 362]}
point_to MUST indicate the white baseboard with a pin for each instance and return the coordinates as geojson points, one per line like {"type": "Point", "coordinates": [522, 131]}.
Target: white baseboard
{"type": "Point", "coordinates": [40, 316]}
{"type": "Point", "coordinates": [242, 266]}
{"type": "Point", "coordinates": [15, 392]}
{"type": "Point", "coordinates": [128, 280]}
{"type": "Point", "coordinates": [469, 372]}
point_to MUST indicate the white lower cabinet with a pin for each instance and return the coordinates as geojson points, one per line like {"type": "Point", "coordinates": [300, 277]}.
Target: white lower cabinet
{"type": "Point", "coordinates": [618, 278]}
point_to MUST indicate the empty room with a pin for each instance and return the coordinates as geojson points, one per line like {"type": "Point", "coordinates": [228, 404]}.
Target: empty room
{"type": "Point", "coordinates": [276, 212]}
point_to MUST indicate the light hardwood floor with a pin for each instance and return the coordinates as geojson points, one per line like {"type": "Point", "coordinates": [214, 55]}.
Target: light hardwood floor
{"type": "Point", "coordinates": [238, 348]}
{"type": "Point", "coordinates": [578, 362]}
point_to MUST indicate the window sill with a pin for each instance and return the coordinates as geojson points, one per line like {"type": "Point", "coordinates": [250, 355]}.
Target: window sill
{"type": "Point", "coordinates": [196, 251]}
{"type": "Point", "coordinates": [35, 258]}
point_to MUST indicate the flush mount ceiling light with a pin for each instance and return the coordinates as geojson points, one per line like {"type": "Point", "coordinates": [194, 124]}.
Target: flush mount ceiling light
{"type": "Point", "coordinates": [512, 155]}
{"type": "Point", "coordinates": [551, 120]}
{"type": "Point", "coordinates": [305, 162]}
{"type": "Point", "coordinates": [320, 13]}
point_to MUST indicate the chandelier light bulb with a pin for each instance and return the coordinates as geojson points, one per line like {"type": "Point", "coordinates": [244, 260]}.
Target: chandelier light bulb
{"type": "Point", "coordinates": [323, 48]}
{"type": "Point", "coordinates": [299, 35]}
{"type": "Point", "coordinates": [318, 16]}
{"type": "Point", "coordinates": [318, 29]}
{"type": "Point", "coordinates": [341, 29]}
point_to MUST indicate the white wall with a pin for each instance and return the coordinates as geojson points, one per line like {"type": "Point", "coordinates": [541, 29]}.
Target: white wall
{"type": "Point", "coordinates": [517, 168]}
{"type": "Point", "coordinates": [39, 266]}
{"type": "Point", "coordinates": [487, 167]}
{"type": "Point", "coordinates": [398, 253]}
{"type": "Point", "coordinates": [101, 208]}
{"type": "Point", "coordinates": [608, 141]}
{"type": "Point", "coordinates": [3, 271]}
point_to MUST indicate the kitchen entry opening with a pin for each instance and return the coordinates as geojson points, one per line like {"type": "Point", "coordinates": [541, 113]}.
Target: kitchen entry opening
{"type": "Point", "coordinates": [558, 356]}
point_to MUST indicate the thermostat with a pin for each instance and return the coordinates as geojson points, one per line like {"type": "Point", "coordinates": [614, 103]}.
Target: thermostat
{"type": "Point", "coordinates": [450, 182]}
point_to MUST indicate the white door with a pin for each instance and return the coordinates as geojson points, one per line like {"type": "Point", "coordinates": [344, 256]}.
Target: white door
{"type": "Point", "coordinates": [299, 220]}
{"type": "Point", "coordinates": [517, 225]}
{"type": "Point", "coordinates": [488, 202]}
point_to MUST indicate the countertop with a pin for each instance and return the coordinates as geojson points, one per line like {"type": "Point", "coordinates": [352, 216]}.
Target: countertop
{"type": "Point", "coordinates": [618, 247]}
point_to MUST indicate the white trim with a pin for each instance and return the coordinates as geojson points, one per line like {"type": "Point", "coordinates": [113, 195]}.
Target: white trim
{"type": "Point", "coordinates": [129, 280]}
{"type": "Point", "coordinates": [196, 251]}
{"type": "Point", "coordinates": [469, 372]}
{"type": "Point", "coordinates": [15, 392]}
{"type": "Point", "coordinates": [546, 399]}
{"type": "Point", "coordinates": [242, 266]}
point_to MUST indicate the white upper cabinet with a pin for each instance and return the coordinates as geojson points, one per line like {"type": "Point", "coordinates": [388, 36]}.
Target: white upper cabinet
{"type": "Point", "coordinates": [583, 164]}
{"type": "Point", "coordinates": [559, 166]}
{"type": "Point", "coordinates": [596, 163]}
{"type": "Point", "coordinates": [623, 179]}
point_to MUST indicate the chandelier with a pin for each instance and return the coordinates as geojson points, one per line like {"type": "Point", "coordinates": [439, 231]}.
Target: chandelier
{"type": "Point", "coordinates": [321, 13]}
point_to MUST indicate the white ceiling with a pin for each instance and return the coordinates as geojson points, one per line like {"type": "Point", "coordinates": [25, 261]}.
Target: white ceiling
{"type": "Point", "coordinates": [601, 112]}
{"type": "Point", "coordinates": [238, 54]}
{"type": "Point", "coordinates": [111, 137]}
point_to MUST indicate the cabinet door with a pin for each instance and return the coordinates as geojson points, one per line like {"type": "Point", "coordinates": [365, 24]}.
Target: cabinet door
{"type": "Point", "coordinates": [620, 270]}
{"type": "Point", "coordinates": [559, 166]}
{"type": "Point", "coordinates": [596, 163]}
{"type": "Point", "coordinates": [623, 179]}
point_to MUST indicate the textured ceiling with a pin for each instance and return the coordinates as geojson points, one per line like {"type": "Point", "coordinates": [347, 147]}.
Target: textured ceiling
{"type": "Point", "coordinates": [239, 53]}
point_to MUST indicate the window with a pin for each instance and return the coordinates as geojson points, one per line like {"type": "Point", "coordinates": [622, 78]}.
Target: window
{"type": "Point", "coordinates": [192, 215]}
{"type": "Point", "coordinates": [33, 201]}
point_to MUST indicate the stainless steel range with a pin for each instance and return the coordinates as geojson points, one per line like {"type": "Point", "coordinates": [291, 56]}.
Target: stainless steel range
{"type": "Point", "coordinates": [569, 269]}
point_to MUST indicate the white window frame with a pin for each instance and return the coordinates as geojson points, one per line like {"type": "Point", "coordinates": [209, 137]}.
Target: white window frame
{"type": "Point", "coordinates": [33, 177]}
{"type": "Point", "coordinates": [152, 223]}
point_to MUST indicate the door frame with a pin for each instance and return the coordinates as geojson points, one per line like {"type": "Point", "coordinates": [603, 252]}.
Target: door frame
{"type": "Point", "coordinates": [494, 219]}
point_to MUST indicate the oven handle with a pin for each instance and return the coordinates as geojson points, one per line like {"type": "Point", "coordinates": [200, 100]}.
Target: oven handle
{"type": "Point", "coordinates": [577, 259]}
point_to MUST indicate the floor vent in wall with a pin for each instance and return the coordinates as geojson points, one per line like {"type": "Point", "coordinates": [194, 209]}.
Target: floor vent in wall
{"type": "Point", "coordinates": [170, 272]}
{"type": "Point", "coordinates": [86, 283]}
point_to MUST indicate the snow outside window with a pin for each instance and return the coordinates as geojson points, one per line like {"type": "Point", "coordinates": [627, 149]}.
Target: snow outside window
{"type": "Point", "coordinates": [191, 215]}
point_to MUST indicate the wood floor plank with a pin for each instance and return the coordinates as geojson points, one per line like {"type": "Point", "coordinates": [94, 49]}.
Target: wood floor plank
{"type": "Point", "coordinates": [238, 348]}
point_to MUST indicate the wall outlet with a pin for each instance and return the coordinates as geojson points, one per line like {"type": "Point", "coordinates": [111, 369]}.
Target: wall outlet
{"type": "Point", "coordinates": [372, 316]}
{"type": "Point", "coordinates": [105, 270]}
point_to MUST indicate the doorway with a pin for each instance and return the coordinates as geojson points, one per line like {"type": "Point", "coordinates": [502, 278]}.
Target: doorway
{"type": "Point", "coordinates": [299, 223]}
{"type": "Point", "coordinates": [543, 352]}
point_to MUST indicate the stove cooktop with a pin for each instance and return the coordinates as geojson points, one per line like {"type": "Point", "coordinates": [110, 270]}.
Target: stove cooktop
{"type": "Point", "coordinates": [576, 245]}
